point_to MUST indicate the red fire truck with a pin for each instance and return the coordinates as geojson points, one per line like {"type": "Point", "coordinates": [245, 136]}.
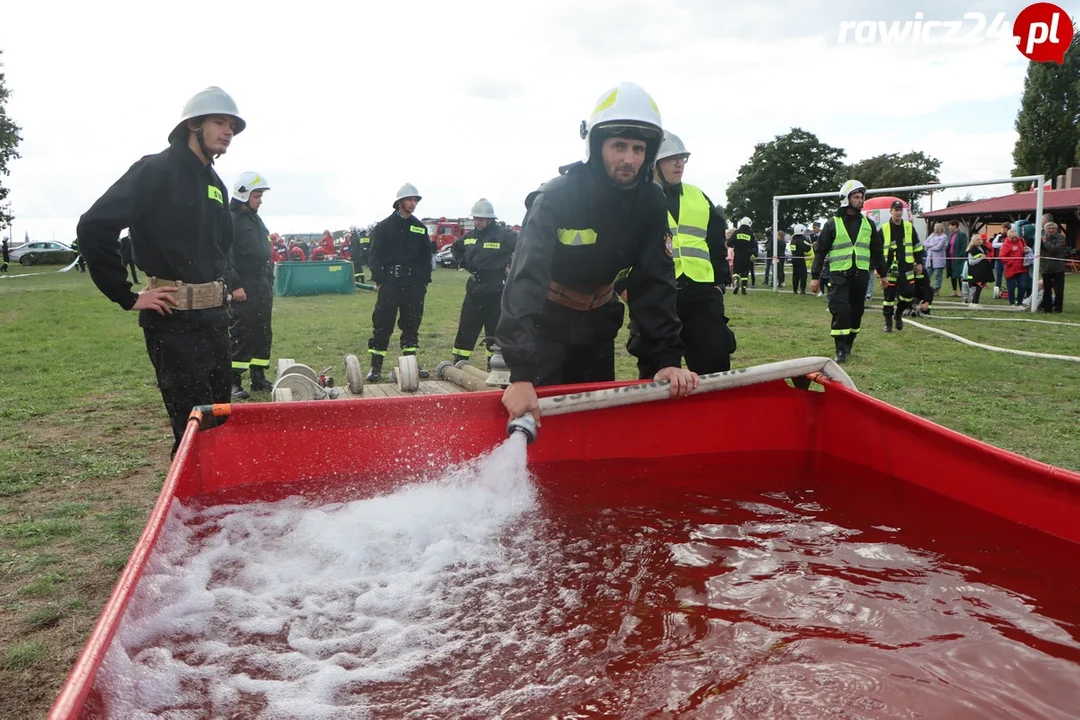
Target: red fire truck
{"type": "Point", "coordinates": [444, 231]}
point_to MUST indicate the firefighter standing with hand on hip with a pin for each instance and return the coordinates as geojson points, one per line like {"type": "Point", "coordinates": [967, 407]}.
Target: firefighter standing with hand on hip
{"type": "Point", "coordinates": [485, 252]}
{"type": "Point", "coordinates": [253, 283]}
{"type": "Point", "coordinates": [587, 228]}
{"type": "Point", "coordinates": [852, 246]}
{"type": "Point", "coordinates": [174, 203]}
{"type": "Point", "coordinates": [400, 261]}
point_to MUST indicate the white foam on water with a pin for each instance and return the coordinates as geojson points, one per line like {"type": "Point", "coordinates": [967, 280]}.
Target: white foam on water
{"type": "Point", "coordinates": [288, 609]}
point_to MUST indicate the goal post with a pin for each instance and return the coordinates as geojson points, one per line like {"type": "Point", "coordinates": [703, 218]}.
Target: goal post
{"type": "Point", "coordinates": [1037, 179]}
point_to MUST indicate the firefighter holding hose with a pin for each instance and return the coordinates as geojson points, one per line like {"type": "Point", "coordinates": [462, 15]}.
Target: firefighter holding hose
{"type": "Point", "coordinates": [586, 229]}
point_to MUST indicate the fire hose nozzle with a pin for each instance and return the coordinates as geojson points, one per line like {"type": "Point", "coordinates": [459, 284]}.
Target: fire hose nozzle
{"type": "Point", "coordinates": [524, 424]}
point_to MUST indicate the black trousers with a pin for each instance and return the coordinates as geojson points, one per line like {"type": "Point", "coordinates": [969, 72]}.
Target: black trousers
{"type": "Point", "coordinates": [563, 363]}
{"type": "Point", "coordinates": [898, 297]}
{"type": "Point", "coordinates": [80, 263]}
{"type": "Point", "coordinates": [250, 333]}
{"type": "Point", "coordinates": [401, 302]}
{"type": "Point", "coordinates": [744, 268]}
{"type": "Point", "coordinates": [847, 301]}
{"type": "Point", "coordinates": [1053, 292]}
{"type": "Point", "coordinates": [705, 334]}
{"type": "Point", "coordinates": [479, 310]}
{"type": "Point", "coordinates": [798, 275]}
{"type": "Point", "coordinates": [780, 271]}
{"type": "Point", "coordinates": [191, 361]}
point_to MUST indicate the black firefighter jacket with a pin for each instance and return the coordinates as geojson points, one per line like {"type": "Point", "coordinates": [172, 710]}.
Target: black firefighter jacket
{"type": "Point", "coordinates": [584, 235]}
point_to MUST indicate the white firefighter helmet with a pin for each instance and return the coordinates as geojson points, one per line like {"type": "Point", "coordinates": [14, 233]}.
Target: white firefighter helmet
{"type": "Point", "coordinates": [849, 187]}
{"type": "Point", "coordinates": [248, 182]}
{"type": "Point", "coordinates": [745, 221]}
{"type": "Point", "coordinates": [407, 190]}
{"type": "Point", "coordinates": [671, 146]}
{"type": "Point", "coordinates": [483, 208]}
{"type": "Point", "coordinates": [211, 101]}
{"type": "Point", "coordinates": [799, 229]}
{"type": "Point", "coordinates": [625, 106]}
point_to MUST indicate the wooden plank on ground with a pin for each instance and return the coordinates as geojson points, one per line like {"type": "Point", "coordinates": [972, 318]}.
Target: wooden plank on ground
{"type": "Point", "coordinates": [374, 391]}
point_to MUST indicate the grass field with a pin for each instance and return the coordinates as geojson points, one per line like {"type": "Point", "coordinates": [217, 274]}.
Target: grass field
{"type": "Point", "coordinates": [84, 439]}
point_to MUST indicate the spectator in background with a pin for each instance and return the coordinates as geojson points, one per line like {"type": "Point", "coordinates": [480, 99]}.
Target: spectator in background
{"type": "Point", "coordinates": [935, 252]}
{"type": "Point", "coordinates": [781, 256]}
{"type": "Point", "coordinates": [80, 263]}
{"type": "Point", "coordinates": [127, 256]}
{"type": "Point", "coordinates": [999, 267]}
{"type": "Point", "coordinates": [1052, 269]}
{"type": "Point", "coordinates": [1012, 255]}
{"type": "Point", "coordinates": [980, 273]}
{"type": "Point", "coordinates": [5, 256]}
{"type": "Point", "coordinates": [957, 255]}
{"type": "Point", "coordinates": [781, 248]}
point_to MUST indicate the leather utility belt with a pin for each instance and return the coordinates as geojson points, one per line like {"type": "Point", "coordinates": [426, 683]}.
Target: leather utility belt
{"type": "Point", "coordinates": [398, 271]}
{"type": "Point", "coordinates": [193, 296]}
{"type": "Point", "coordinates": [561, 295]}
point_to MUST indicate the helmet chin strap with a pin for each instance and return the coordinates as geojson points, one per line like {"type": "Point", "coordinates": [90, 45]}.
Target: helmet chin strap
{"type": "Point", "coordinates": [202, 146]}
{"type": "Point", "coordinates": [663, 180]}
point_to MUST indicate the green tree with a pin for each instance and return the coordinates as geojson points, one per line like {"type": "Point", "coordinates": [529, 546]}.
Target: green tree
{"type": "Point", "coordinates": [1048, 122]}
{"type": "Point", "coordinates": [892, 170]}
{"type": "Point", "coordinates": [9, 140]}
{"type": "Point", "coordinates": [792, 164]}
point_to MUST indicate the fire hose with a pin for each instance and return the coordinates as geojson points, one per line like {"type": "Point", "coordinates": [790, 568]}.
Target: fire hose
{"type": "Point", "coordinates": [797, 369]}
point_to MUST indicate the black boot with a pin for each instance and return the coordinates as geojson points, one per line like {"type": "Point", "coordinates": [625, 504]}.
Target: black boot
{"type": "Point", "coordinates": [841, 349]}
{"type": "Point", "coordinates": [900, 321]}
{"type": "Point", "coordinates": [420, 372]}
{"type": "Point", "coordinates": [238, 391]}
{"type": "Point", "coordinates": [849, 340]}
{"type": "Point", "coordinates": [375, 374]}
{"type": "Point", "coordinates": [888, 322]}
{"type": "Point", "coordinates": [259, 383]}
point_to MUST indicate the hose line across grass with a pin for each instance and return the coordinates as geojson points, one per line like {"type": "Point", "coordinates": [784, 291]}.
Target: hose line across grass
{"type": "Point", "coordinates": [992, 348]}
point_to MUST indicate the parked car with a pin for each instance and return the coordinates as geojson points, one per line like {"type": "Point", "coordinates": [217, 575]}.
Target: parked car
{"type": "Point", "coordinates": [444, 258]}
{"type": "Point", "coordinates": [43, 253]}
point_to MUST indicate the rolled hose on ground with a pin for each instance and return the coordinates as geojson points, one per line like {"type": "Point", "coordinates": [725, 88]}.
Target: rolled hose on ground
{"type": "Point", "coordinates": [460, 377]}
{"type": "Point", "coordinates": [471, 369]}
{"type": "Point", "coordinates": [653, 391]}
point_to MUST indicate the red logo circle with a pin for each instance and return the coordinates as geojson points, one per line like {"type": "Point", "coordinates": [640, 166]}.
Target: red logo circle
{"type": "Point", "coordinates": [1043, 32]}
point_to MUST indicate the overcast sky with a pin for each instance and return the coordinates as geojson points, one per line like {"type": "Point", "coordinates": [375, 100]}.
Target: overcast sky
{"type": "Point", "coordinates": [345, 101]}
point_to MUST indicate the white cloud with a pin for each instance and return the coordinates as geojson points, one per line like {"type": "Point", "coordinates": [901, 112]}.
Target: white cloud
{"type": "Point", "coordinates": [347, 101]}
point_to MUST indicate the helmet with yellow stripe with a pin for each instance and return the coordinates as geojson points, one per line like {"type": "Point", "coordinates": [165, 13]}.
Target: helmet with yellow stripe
{"type": "Point", "coordinates": [624, 111]}
{"type": "Point", "coordinates": [851, 186]}
{"type": "Point", "coordinates": [248, 183]}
